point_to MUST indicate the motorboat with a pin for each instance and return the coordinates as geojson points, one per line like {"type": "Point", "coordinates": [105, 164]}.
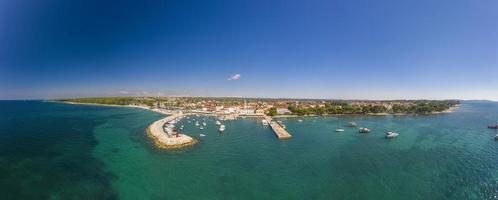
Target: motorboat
{"type": "Point", "coordinates": [222, 128]}
{"type": "Point", "coordinates": [391, 134]}
{"type": "Point", "coordinates": [493, 126]}
{"type": "Point", "coordinates": [300, 120]}
{"type": "Point", "coordinates": [496, 137]}
{"type": "Point", "coordinates": [196, 123]}
{"type": "Point", "coordinates": [364, 130]}
{"type": "Point", "coordinates": [204, 123]}
{"type": "Point", "coordinates": [218, 123]}
{"type": "Point", "coordinates": [202, 135]}
{"type": "Point", "coordinates": [339, 130]}
{"type": "Point", "coordinates": [202, 127]}
{"type": "Point", "coordinates": [352, 124]}
{"type": "Point", "coordinates": [264, 122]}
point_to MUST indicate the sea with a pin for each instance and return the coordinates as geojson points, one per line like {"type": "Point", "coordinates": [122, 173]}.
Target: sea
{"type": "Point", "coordinates": [61, 151]}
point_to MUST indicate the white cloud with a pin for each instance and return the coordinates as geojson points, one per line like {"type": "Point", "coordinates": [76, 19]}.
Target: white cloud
{"type": "Point", "coordinates": [234, 77]}
{"type": "Point", "coordinates": [123, 92]}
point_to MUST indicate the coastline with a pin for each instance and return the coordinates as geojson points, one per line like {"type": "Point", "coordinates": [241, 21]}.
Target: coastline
{"type": "Point", "coordinates": [449, 110]}
{"type": "Point", "coordinates": [155, 131]}
{"type": "Point", "coordinates": [109, 105]}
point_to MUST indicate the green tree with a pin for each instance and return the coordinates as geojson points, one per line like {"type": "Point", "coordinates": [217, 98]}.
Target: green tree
{"type": "Point", "coordinates": [272, 112]}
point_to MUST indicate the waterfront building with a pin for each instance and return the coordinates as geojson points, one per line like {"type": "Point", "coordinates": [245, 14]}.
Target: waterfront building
{"type": "Point", "coordinates": [247, 112]}
{"type": "Point", "coordinates": [283, 111]}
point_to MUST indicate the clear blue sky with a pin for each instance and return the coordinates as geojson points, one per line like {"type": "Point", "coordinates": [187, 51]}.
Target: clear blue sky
{"type": "Point", "coordinates": [382, 49]}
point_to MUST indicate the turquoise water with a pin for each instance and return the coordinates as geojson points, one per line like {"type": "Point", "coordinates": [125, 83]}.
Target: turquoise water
{"type": "Point", "coordinates": [60, 151]}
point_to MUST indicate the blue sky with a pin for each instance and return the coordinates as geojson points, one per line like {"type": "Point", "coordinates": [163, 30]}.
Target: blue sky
{"type": "Point", "coordinates": [384, 49]}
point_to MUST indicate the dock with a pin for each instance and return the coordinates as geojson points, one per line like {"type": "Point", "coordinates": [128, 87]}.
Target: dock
{"type": "Point", "coordinates": [163, 139]}
{"type": "Point", "coordinates": [279, 131]}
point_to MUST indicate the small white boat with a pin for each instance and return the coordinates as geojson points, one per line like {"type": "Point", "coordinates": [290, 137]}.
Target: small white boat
{"type": "Point", "coordinates": [222, 128]}
{"type": "Point", "coordinates": [204, 123]}
{"type": "Point", "coordinates": [218, 122]}
{"type": "Point", "coordinates": [496, 137]}
{"type": "Point", "coordinates": [196, 123]}
{"type": "Point", "coordinates": [364, 130]}
{"type": "Point", "coordinates": [300, 120]}
{"type": "Point", "coordinates": [202, 135]}
{"type": "Point", "coordinates": [352, 124]}
{"type": "Point", "coordinates": [264, 122]}
{"type": "Point", "coordinates": [202, 127]}
{"type": "Point", "coordinates": [339, 130]}
{"type": "Point", "coordinates": [391, 134]}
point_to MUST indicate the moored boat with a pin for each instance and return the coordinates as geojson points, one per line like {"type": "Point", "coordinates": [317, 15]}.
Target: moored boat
{"type": "Point", "coordinates": [496, 137]}
{"type": "Point", "coordinates": [264, 122]}
{"type": "Point", "coordinates": [364, 130]}
{"type": "Point", "coordinates": [218, 123]}
{"type": "Point", "coordinates": [222, 128]}
{"type": "Point", "coordinates": [493, 126]}
{"type": "Point", "coordinates": [352, 124]}
{"type": "Point", "coordinates": [391, 134]}
{"type": "Point", "coordinates": [339, 130]}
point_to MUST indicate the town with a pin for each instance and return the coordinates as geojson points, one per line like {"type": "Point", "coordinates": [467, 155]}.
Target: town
{"type": "Point", "coordinates": [233, 107]}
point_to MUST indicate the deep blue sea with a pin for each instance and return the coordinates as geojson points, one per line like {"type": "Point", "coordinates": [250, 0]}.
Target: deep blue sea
{"type": "Point", "coordinates": [61, 151]}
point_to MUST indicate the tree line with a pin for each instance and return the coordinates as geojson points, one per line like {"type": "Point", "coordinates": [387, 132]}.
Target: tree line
{"type": "Point", "coordinates": [342, 107]}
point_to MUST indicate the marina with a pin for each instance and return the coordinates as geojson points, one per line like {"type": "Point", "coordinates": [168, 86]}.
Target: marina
{"type": "Point", "coordinates": [164, 136]}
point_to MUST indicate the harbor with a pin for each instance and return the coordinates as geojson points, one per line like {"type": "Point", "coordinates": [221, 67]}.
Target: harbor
{"type": "Point", "coordinates": [166, 137]}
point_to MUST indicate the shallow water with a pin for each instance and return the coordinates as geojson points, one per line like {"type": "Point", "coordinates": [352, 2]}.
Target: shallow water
{"type": "Point", "coordinates": [60, 151]}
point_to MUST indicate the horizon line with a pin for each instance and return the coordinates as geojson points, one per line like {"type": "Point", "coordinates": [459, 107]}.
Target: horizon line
{"type": "Point", "coordinates": [275, 98]}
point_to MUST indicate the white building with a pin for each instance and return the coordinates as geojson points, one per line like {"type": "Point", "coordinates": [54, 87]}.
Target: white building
{"type": "Point", "coordinates": [247, 112]}
{"type": "Point", "coordinates": [282, 111]}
